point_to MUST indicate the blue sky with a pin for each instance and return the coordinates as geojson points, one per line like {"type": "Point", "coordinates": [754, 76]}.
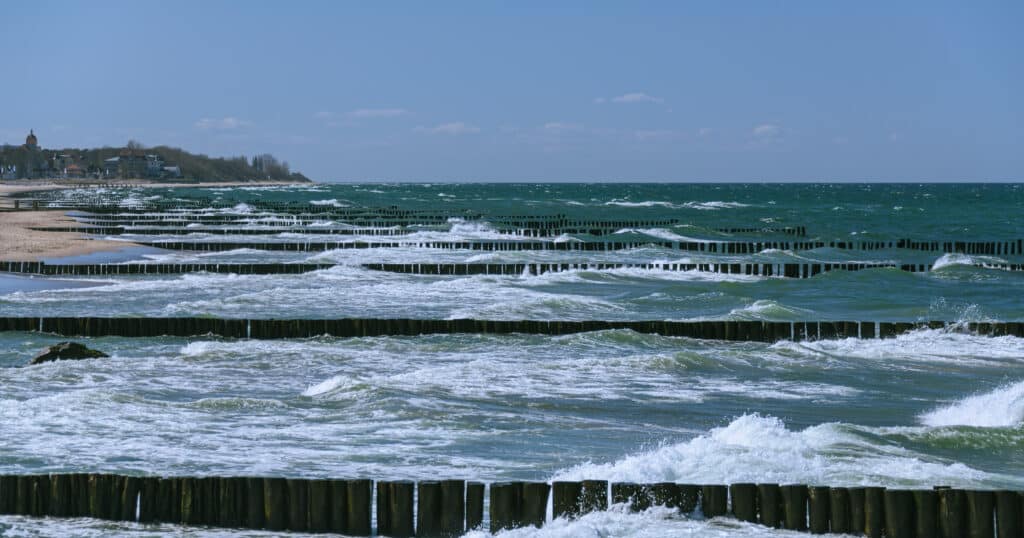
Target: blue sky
{"type": "Point", "coordinates": [653, 91]}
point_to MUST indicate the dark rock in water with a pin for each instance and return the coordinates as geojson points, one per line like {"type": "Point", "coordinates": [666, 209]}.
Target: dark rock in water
{"type": "Point", "coordinates": [67, 351]}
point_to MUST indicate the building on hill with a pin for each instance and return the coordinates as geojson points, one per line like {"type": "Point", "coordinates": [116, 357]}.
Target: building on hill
{"type": "Point", "coordinates": [31, 142]}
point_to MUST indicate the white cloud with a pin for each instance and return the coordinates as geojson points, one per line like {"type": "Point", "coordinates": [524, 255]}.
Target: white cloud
{"type": "Point", "coordinates": [453, 128]}
{"type": "Point", "coordinates": [562, 127]}
{"type": "Point", "coordinates": [378, 112]}
{"type": "Point", "coordinates": [896, 136]}
{"type": "Point", "coordinates": [766, 130]}
{"type": "Point", "coordinates": [222, 124]}
{"type": "Point", "coordinates": [704, 131]}
{"type": "Point", "coordinates": [599, 100]}
{"type": "Point", "coordinates": [637, 97]}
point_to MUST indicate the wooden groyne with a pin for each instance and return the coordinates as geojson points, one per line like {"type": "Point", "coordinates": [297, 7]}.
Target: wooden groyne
{"type": "Point", "coordinates": [784, 270]}
{"type": "Point", "coordinates": [738, 330]}
{"type": "Point", "coordinates": [718, 247]}
{"type": "Point", "coordinates": [443, 508]}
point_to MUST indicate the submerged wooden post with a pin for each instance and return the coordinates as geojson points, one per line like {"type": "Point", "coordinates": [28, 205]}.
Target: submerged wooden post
{"type": "Point", "coordinates": [254, 503]}
{"type": "Point", "coordinates": [899, 514]}
{"type": "Point", "coordinates": [275, 503]}
{"type": "Point", "coordinates": [858, 518]}
{"type": "Point", "coordinates": [566, 499]}
{"type": "Point", "coordinates": [820, 509]}
{"type": "Point", "coordinates": [298, 504]}
{"type": "Point", "coordinates": [952, 513]}
{"type": "Point", "coordinates": [505, 505]}
{"type": "Point", "coordinates": [744, 502]}
{"type": "Point", "coordinates": [594, 497]}
{"type": "Point", "coordinates": [839, 510]}
{"type": "Point", "coordinates": [714, 501]}
{"type": "Point", "coordinates": [925, 512]}
{"type": "Point", "coordinates": [980, 512]}
{"type": "Point", "coordinates": [453, 508]}
{"type": "Point", "coordinates": [769, 501]}
{"type": "Point", "coordinates": [534, 504]}
{"type": "Point", "coordinates": [874, 512]}
{"type": "Point", "coordinates": [474, 505]}
{"type": "Point", "coordinates": [1009, 519]}
{"type": "Point", "coordinates": [357, 514]}
{"type": "Point", "coordinates": [794, 503]}
{"type": "Point", "coordinates": [339, 505]}
{"type": "Point", "coordinates": [637, 496]}
{"type": "Point", "coordinates": [428, 508]}
{"type": "Point", "coordinates": [395, 508]}
{"type": "Point", "coordinates": [60, 495]}
{"type": "Point", "coordinates": [319, 505]}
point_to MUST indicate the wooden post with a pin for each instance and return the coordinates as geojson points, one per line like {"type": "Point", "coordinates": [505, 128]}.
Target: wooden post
{"type": "Point", "coordinates": [566, 499]}
{"type": "Point", "coordinates": [129, 498]}
{"type": "Point", "coordinates": [428, 508]}
{"type": "Point", "coordinates": [298, 504]}
{"type": "Point", "coordinates": [395, 508]}
{"type": "Point", "coordinates": [839, 510]}
{"type": "Point", "coordinates": [319, 506]}
{"type": "Point", "coordinates": [900, 520]}
{"type": "Point", "coordinates": [874, 512]}
{"type": "Point", "coordinates": [505, 505]}
{"type": "Point", "coordinates": [453, 508]}
{"type": "Point", "coordinates": [60, 495]}
{"type": "Point", "coordinates": [1008, 514]}
{"type": "Point", "coordinates": [339, 505]}
{"type": "Point", "coordinates": [980, 508]}
{"type": "Point", "coordinates": [666, 494]}
{"type": "Point", "coordinates": [636, 496]}
{"type": "Point", "coordinates": [794, 505]}
{"type": "Point", "coordinates": [952, 513]}
{"type": "Point", "coordinates": [148, 492]}
{"type": "Point", "coordinates": [594, 497]}
{"type": "Point", "coordinates": [275, 503]}
{"type": "Point", "coordinates": [474, 505]}
{"type": "Point", "coordinates": [229, 491]}
{"type": "Point", "coordinates": [40, 495]}
{"type": "Point", "coordinates": [8, 493]}
{"type": "Point", "coordinates": [99, 496]}
{"type": "Point", "coordinates": [857, 516]}
{"type": "Point", "coordinates": [744, 502]}
{"type": "Point", "coordinates": [820, 509]}
{"type": "Point", "coordinates": [534, 504]}
{"type": "Point", "coordinates": [925, 512]}
{"type": "Point", "coordinates": [254, 503]}
{"type": "Point", "coordinates": [769, 501]}
{"type": "Point", "coordinates": [189, 500]}
{"type": "Point", "coordinates": [357, 514]}
{"type": "Point", "coordinates": [714, 501]}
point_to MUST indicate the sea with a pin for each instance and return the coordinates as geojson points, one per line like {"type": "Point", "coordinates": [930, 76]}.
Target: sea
{"type": "Point", "coordinates": [930, 407]}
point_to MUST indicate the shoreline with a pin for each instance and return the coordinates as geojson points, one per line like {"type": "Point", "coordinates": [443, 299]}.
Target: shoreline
{"type": "Point", "coordinates": [18, 242]}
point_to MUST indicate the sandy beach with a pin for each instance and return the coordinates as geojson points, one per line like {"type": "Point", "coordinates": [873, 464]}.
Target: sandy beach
{"type": "Point", "coordinates": [18, 242]}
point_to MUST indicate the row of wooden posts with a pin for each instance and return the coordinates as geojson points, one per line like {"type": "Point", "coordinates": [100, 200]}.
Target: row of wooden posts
{"type": "Point", "coordinates": [737, 330]}
{"type": "Point", "coordinates": [786, 270]}
{"type": "Point", "coordinates": [451, 507]}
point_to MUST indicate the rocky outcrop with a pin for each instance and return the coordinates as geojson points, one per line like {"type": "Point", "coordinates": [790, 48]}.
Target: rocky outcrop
{"type": "Point", "coordinates": [67, 351]}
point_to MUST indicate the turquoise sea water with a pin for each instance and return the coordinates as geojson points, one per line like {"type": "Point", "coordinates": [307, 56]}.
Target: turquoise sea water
{"type": "Point", "coordinates": [932, 407]}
